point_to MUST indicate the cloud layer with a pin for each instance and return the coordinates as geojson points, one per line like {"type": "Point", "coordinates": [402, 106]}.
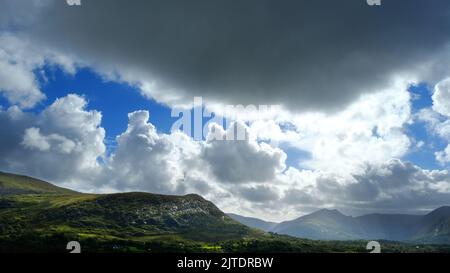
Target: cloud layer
{"type": "Point", "coordinates": [65, 144]}
{"type": "Point", "coordinates": [305, 55]}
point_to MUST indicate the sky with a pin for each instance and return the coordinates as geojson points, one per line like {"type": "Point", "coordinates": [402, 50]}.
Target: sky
{"type": "Point", "coordinates": [91, 96]}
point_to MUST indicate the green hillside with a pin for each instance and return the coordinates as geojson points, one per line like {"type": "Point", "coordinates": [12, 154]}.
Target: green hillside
{"type": "Point", "coordinates": [36, 216]}
{"type": "Point", "coordinates": [16, 184]}
{"type": "Point", "coordinates": [29, 207]}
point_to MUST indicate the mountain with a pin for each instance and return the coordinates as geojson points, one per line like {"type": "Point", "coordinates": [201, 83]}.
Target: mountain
{"type": "Point", "coordinates": [29, 205]}
{"type": "Point", "coordinates": [253, 222]}
{"type": "Point", "coordinates": [432, 228]}
{"type": "Point", "coordinates": [36, 216]}
{"type": "Point", "coordinates": [435, 227]}
{"type": "Point", "coordinates": [322, 225]}
{"type": "Point", "coordinates": [397, 227]}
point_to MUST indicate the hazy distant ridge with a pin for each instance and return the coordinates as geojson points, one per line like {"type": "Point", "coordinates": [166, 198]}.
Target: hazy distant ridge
{"type": "Point", "coordinates": [333, 225]}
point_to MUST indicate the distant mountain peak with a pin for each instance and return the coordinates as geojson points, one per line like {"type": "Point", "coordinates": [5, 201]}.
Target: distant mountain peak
{"type": "Point", "coordinates": [328, 213]}
{"type": "Point", "coordinates": [443, 208]}
{"type": "Point", "coordinates": [443, 211]}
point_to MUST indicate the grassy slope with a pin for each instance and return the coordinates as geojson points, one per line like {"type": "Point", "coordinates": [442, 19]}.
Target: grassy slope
{"type": "Point", "coordinates": [17, 184]}
{"type": "Point", "coordinates": [36, 216]}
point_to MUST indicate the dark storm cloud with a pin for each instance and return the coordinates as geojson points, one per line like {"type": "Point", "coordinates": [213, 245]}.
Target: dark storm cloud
{"type": "Point", "coordinates": [258, 194]}
{"type": "Point", "coordinates": [317, 54]}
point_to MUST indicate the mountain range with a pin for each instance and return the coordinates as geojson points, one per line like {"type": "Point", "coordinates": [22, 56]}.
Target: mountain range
{"type": "Point", "coordinates": [432, 228]}
{"type": "Point", "coordinates": [36, 216]}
